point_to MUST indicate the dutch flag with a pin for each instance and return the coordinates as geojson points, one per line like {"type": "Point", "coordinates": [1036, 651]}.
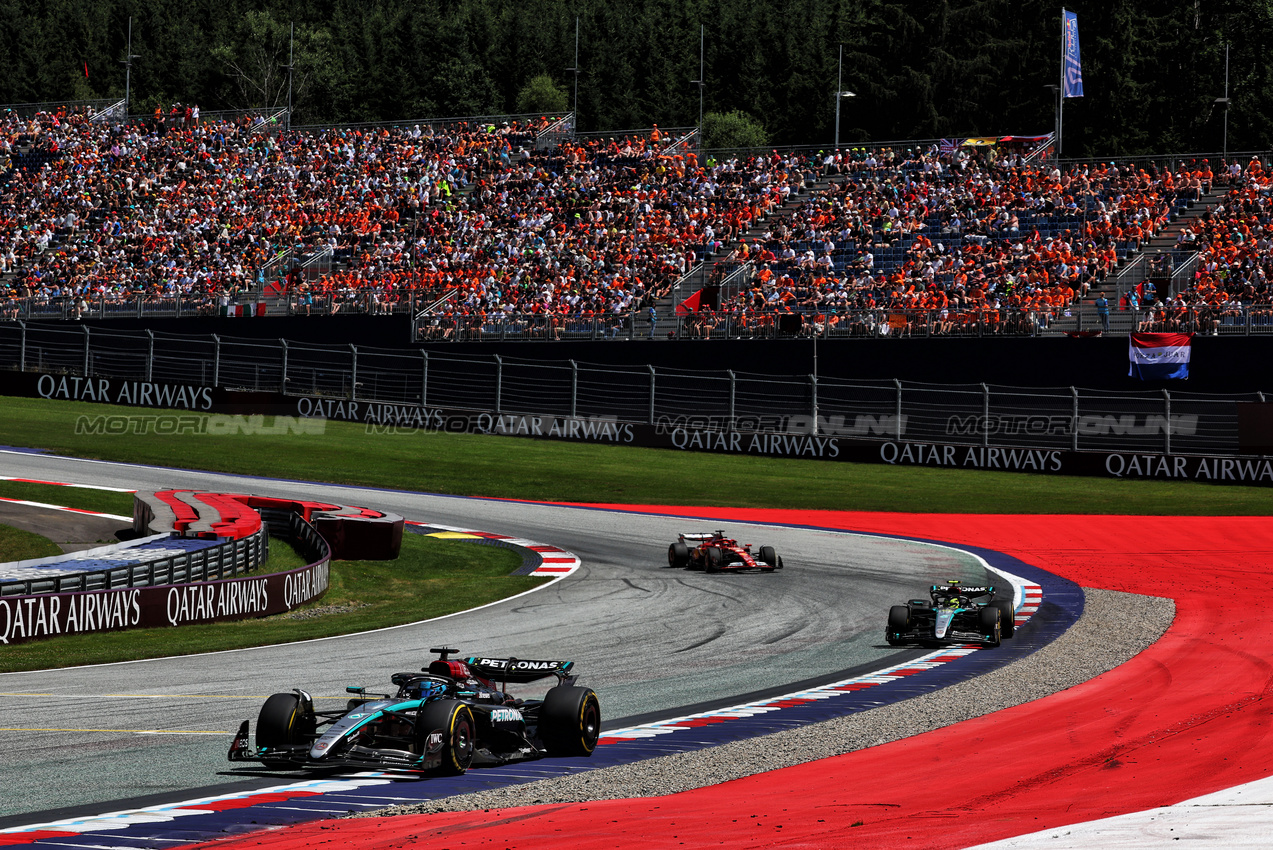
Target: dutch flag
{"type": "Point", "coordinates": [1159, 356]}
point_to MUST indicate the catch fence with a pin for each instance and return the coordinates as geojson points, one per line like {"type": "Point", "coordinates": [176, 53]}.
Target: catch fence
{"type": "Point", "coordinates": [1062, 418]}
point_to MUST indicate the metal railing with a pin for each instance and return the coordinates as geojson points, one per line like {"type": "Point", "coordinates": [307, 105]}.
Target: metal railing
{"type": "Point", "coordinates": [440, 125]}
{"type": "Point", "coordinates": [555, 133]}
{"type": "Point", "coordinates": [27, 110]}
{"type": "Point", "coordinates": [496, 386]}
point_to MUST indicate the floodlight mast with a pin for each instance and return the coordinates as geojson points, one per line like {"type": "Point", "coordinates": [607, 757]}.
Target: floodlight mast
{"type": "Point", "coordinates": [840, 94]}
{"type": "Point", "coordinates": [128, 70]}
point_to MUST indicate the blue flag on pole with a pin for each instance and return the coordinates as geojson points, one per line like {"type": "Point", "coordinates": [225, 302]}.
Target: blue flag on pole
{"type": "Point", "coordinates": [1073, 69]}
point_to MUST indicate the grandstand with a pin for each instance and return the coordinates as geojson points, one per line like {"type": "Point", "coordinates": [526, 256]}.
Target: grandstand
{"type": "Point", "coordinates": [516, 227]}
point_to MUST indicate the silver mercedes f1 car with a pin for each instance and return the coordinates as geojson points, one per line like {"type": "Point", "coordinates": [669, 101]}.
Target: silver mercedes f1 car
{"type": "Point", "coordinates": [450, 715]}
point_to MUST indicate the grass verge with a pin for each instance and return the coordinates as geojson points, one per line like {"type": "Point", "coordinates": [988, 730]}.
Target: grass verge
{"type": "Point", "coordinates": [432, 577]}
{"type": "Point", "coordinates": [102, 501]}
{"type": "Point", "coordinates": [554, 471]}
{"type": "Point", "coordinates": [19, 545]}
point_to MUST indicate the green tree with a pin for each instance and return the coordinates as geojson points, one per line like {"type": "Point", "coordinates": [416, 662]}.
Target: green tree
{"type": "Point", "coordinates": [542, 94]}
{"type": "Point", "coordinates": [734, 129]}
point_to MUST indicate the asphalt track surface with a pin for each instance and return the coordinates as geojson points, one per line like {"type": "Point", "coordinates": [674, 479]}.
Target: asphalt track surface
{"type": "Point", "coordinates": [652, 641]}
{"type": "Point", "coordinates": [1091, 766]}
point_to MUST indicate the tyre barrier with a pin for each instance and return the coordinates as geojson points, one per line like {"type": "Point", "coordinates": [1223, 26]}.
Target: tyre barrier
{"type": "Point", "coordinates": [351, 532]}
{"type": "Point", "coordinates": [134, 597]}
{"type": "Point", "coordinates": [157, 559]}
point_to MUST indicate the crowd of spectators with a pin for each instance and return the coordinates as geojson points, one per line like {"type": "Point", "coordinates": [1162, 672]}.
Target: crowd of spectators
{"type": "Point", "coordinates": [951, 239]}
{"type": "Point", "coordinates": [472, 216]}
{"type": "Point", "coordinates": [205, 209]}
{"type": "Point", "coordinates": [1233, 276]}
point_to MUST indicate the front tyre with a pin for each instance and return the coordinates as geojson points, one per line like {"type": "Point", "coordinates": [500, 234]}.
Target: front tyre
{"type": "Point", "coordinates": [989, 620]}
{"type": "Point", "coordinates": [712, 559]}
{"type": "Point", "coordinates": [769, 557]}
{"type": "Point", "coordinates": [899, 618]}
{"type": "Point", "coordinates": [1007, 617]}
{"type": "Point", "coordinates": [282, 723]}
{"type": "Point", "coordinates": [446, 728]}
{"type": "Point", "coordinates": [570, 721]}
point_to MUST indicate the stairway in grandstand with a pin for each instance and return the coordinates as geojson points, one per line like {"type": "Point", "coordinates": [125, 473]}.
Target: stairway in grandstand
{"type": "Point", "coordinates": [1136, 267]}
{"type": "Point", "coordinates": [697, 277]}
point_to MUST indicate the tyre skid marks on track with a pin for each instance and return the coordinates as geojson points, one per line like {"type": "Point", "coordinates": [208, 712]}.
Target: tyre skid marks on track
{"type": "Point", "coordinates": [281, 805]}
{"type": "Point", "coordinates": [151, 827]}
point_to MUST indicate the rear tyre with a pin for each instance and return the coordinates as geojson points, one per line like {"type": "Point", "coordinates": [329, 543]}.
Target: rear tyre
{"type": "Point", "coordinates": [570, 721]}
{"type": "Point", "coordinates": [712, 559]}
{"type": "Point", "coordinates": [678, 555]}
{"type": "Point", "coordinates": [452, 723]}
{"type": "Point", "coordinates": [899, 618]}
{"type": "Point", "coordinates": [1007, 618]}
{"type": "Point", "coordinates": [281, 723]}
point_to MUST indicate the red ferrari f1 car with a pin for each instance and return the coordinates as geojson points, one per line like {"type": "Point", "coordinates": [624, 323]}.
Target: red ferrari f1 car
{"type": "Point", "coordinates": [716, 553]}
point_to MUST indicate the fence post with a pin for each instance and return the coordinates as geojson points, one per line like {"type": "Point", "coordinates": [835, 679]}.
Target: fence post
{"type": "Point", "coordinates": [985, 415]}
{"type": "Point", "coordinates": [1166, 405]}
{"type": "Point", "coordinates": [897, 414]}
{"type": "Point", "coordinates": [1074, 419]}
{"type": "Point", "coordinates": [732, 395]}
{"type": "Point", "coordinates": [86, 350]}
{"type": "Point", "coordinates": [216, 360]}
{"type": "Point", "coordinates": [499, 384]}
{"type": "Point", "coordinates": [353, 371]}
{"type": "Point", "coordinates": [22, 348]}
{"type": "Point", "coordinates": [574, 388]}
{"type": "Point", "coordinates": [813, 398]}
{"type": "Point", "coordinates": [651, 417]}
{"type": "Point", "coordinates": [283, 378]}
{"type": "Point", "coordinates": [150, 355]}
{"type": "Point", "coordinates": [424, 378]}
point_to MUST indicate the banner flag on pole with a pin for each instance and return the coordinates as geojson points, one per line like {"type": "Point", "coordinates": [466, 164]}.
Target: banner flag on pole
{"type": "Point", "coordinates": [1159, 356]}
{"type": "Point", "coordinates": [1072, 78]}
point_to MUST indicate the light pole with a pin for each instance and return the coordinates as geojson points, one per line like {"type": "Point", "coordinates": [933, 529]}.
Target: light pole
{"type": "Point", "coordinates": [1225, 101]}
{"type": "Point", "coordinates": [574, 109]}
{"type": "Point", "coordinates": [700, 81]}
{"type": "Point", "coordinates": [1056, 121]}
{"type": "Point", "coordinates": [291, 63]}
{"type": "Point", "coordinates": [128, 70]}
{"type": "Point", "coordinates": [840, 94]}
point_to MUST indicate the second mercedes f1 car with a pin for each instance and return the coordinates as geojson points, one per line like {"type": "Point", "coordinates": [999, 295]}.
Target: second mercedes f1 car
{"type": "Point", "coordinates": [953, 613]}
{"type": "Point", "coordinates": [715, 553]}
{"type": "Point", "coordinates": [450, 715]}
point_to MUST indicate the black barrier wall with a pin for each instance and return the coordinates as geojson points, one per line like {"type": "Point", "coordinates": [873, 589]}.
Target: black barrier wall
{"type": "Point", "coordinates": [1236, 364]}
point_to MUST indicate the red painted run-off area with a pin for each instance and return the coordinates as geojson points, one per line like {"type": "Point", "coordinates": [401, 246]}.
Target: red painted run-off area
{"type": "Point", "coordinates": [1187, 717]}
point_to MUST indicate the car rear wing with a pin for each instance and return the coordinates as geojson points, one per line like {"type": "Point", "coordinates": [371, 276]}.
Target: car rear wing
{"type": "Point", "coordinates": [698, 537]}
{"type": "Point", "coordinates": [519, 670]}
